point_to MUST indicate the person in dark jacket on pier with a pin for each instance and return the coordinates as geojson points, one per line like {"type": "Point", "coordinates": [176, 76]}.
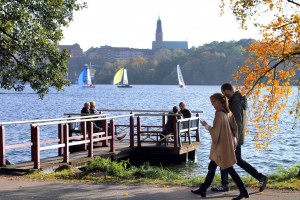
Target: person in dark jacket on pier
{"type": "Point", "coordinates": [186, 113]}
{"type": "Point", "coordinates": [86, 108]}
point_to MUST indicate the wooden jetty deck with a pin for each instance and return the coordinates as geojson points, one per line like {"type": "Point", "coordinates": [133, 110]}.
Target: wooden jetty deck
{"type": "Point", "coordinates": [142, 141]}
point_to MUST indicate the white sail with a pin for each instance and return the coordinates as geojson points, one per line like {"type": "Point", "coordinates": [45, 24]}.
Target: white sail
{"type": "Point", "coordinates": [88, 76]}
{"type": "Point", "coordinates": [125, 78]}
{"type": "Point", "coordinates": [180, 78]}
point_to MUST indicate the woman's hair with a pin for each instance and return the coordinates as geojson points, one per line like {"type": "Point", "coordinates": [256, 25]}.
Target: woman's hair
{"type": "Point", "coordinates": [221, 98]}
{"type": "Point", "coordinates": [93, 104]}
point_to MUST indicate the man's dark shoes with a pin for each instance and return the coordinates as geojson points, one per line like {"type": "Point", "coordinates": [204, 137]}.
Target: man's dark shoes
{"type": "Point", "coordinates": [263, 183]}
{"type": "Point", "coordinates": [220, 188]}
{"type": "Point", "coordinates": [202, 193]}
{"type": "Point", "coordinates": [242, 195]}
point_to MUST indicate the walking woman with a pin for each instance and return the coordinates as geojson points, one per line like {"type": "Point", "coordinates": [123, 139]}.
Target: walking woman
{"type": "Point", "coordinates": [223, 134]}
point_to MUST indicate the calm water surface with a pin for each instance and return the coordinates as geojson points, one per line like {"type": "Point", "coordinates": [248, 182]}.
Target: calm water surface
{"type": "Point", "coordinates": [283, 151]}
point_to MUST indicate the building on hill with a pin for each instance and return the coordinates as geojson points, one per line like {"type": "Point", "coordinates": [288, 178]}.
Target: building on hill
{"type": "Point", "coordinates": [110, 54]}
{"type": "Point", "coordinates": [75, 50]}
{"type": "Point", "coordinates": [160, 43]}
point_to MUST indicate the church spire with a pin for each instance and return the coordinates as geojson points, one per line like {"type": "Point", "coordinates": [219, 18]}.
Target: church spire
{"type": "Point", "coordinates": [159, 33]}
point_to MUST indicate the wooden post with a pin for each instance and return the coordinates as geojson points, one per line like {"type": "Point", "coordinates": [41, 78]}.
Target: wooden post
{"type": "Point", "coordinates": [66, 140]}
{"type": "Point", "coordinates": [91, 137]}
{"type": "Point", "coordinates": [105, 129]}
{"type": "Point", "coordinates": [175, 131]}
{"type": "Point", "coordinates": [61, 139]}
{"type": "Point", "coordinates": [84, 134]}
{"type": "Point", "coordinates": [2, 147]}
{"type": "Point", "coordinates": [131, 133]}
{"type": "Point", "coordinates": [31, 139]}
{"type": "Point", "coordinates": [198, 128]}
{"type": "Point", "coordinates": [163, 120]}
{"type": "Point", "coordinates": [35, 133]}
{"type": "Point", "coordinates": [138, 131]}
{"type": "Point", "coordinates": [112, 131]}
{"type": "Point", "coordinates": [189, 131]}
{"type": "Point", "coordinates": [179, 125]}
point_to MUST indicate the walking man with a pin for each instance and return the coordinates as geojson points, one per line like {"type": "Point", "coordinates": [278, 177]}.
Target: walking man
{"type": "Point", "coordinates": [238, 106]}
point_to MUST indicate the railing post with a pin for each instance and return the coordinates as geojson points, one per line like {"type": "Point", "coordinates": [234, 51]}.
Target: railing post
{"type": "Point", "coordinates": [91, 137]}
{"type": "Point", "coordinates": [105, 129]}
{"type": "Point", "coordinates": [179, 133]}
{"type": "Point", "coordinates": [2, 147]}
{"type": "Point", "coordinates": [198, 128]}
{"type": "Point", "coordinates": [189, 131]}
{"type": "Point", "coordinates": [112, 131]}
{"type": "Point", "coordinates": [131, 133]}
{"type": "Point", "coordinates": [138, 131]}
{"type": "Point", "coordinates": [66, 140]}
{"type": "Point", "coordinates": [61, 139]}
{"type": "Point", "coordinates": [175, 131]}
{"type": "Point", "coordinates": [84, 134]}
{"type": "Point", "coordinates": [31, 139]}
{"type": "Point", "coordinates": [163, 120]}
{"type": "Point", "coordinates": [35, 133]}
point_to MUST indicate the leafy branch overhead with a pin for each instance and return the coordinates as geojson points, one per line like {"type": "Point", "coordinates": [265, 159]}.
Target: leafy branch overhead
{"type": "Point", "coordinates": [273, 64]}
{"type": "Point", "coordinates": [30, 32]}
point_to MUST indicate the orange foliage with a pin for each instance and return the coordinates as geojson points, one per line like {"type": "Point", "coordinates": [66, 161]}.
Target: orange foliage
{"type": "Point", "coordinates": [269, 71]}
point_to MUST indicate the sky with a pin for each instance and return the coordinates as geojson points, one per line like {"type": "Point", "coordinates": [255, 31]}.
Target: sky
{"type": "Point", "coordinates": [132, 23]}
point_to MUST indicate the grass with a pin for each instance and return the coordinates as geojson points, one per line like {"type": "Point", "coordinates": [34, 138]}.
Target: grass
{"type": "Point", "coordinates": [105, 170]}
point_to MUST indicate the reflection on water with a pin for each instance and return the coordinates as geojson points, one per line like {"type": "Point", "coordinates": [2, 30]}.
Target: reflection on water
{"type": "Point", "coordinates": [284, 148]}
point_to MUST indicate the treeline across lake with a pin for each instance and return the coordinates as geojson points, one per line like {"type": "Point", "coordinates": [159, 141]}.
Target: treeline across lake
{"type": "Point", "coordinates": [212, 63]}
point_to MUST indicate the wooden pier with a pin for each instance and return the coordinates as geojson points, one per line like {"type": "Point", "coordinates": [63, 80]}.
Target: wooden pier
{"type": "Point", "coordinates": [76, 132]}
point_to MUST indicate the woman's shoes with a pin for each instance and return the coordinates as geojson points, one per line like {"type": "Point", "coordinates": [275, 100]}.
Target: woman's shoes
{"type": "Point", "coordinates": [202, 193]}
{"type": "Point", "coordinates": [242, 195]}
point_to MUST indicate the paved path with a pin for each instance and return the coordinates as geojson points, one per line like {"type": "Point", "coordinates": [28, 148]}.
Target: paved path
{"type": "Point", "coordinates": [13, 188]}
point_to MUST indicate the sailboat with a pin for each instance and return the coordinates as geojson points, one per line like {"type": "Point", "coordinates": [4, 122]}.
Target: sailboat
{"type": "Point", "coordinates": [84, 79]}
{"type": "Point", "coordinates": [180, 78]}
{"type": "Point", "coordinates": [121, 79]}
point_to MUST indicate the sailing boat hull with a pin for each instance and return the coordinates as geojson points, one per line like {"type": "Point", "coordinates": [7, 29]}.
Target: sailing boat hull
{"type": "Point", "coordinates": [124, 86]}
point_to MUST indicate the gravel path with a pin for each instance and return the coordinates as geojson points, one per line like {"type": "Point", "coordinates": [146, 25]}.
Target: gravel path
{"type": "Point", "coordinates": [12, 188]}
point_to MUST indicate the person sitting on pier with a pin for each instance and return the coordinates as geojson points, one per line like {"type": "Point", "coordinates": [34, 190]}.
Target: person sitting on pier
{"type": "Point", "coordinates": [93, 110]}
{"type": "Point", "coordinates": [186, 113]}
{"type": "Point", "coordinates": [170, 123]}
{"type": "Point", "coordinates": [86, 110]}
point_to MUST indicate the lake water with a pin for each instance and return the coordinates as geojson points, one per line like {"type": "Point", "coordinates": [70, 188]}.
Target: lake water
{"type": "Point", "coordinates": [283, 151]}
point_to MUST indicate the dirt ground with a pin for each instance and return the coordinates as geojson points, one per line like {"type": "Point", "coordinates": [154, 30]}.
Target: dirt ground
{"type": "Point", "coordinates": [12, 187]}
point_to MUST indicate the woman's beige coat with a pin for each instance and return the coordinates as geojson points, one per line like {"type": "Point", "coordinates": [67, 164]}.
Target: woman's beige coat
{"type": "Point", "coordinates": [222, 145]}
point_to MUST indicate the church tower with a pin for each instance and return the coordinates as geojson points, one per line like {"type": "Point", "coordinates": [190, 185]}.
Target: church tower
{"type": "Point", "coordinates": [159, 33]}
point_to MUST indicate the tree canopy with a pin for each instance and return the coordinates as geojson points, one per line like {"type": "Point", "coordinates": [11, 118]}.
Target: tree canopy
{"type": "Point", "coordinates": [30, 31]}
{"type": "Point", "coordinates": [273, 63]}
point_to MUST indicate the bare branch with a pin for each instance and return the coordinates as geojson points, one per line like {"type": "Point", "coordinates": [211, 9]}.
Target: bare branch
{"type": "Point", "coordinates": [293, 2]}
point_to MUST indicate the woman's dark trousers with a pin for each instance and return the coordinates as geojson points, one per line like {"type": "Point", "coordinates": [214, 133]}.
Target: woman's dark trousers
{"type": "Point", "coordinates": [243, 164]}
{"type": "Point", "coordinates": [211, 174]}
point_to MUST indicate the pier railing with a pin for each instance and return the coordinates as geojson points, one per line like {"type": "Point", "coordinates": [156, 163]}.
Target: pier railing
{"type": "Point", "coordinates": [64, 140]}
{"type": "Point", "coordinates": [184, 130]}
